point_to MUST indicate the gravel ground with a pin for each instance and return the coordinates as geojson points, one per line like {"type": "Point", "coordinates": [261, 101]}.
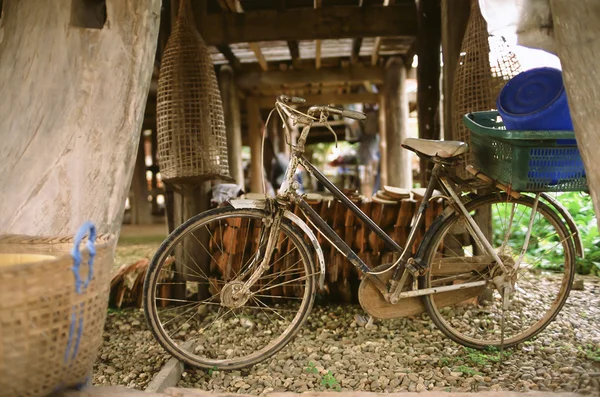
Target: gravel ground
{"type": "Point", "coordinates": [333, 352]}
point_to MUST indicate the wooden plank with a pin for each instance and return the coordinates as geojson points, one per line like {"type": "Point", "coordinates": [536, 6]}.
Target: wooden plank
{"type": "Point", "coordinates": [339, 99]}
{"type": "Point", "coordinates": [354, 74]}
{"type": "Point", "coordinates": [317, 24]}
{"type": "Point", "coordinates": [260, 58]}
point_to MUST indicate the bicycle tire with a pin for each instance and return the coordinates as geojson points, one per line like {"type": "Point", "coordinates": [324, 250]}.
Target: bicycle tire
{"type": "Point", "coordinates": [430, 250]}
{"type": "Point", "coordinates": [158, 262]}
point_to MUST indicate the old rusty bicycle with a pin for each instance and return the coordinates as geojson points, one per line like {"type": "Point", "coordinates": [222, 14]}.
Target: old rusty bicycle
{"type": "Point", "coordinates": [233, 285]}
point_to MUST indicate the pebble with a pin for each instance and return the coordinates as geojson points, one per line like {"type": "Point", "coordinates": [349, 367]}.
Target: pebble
{"type": "Point", "coordinates": [396, 355]}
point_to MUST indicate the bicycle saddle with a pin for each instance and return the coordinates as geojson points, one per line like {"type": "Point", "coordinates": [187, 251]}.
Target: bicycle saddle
{"type": "Point", "coordinates": [431, 148]}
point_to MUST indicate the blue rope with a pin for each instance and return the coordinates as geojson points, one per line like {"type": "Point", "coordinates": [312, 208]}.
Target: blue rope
{"type": "Point", "coordinates": [87, 228]}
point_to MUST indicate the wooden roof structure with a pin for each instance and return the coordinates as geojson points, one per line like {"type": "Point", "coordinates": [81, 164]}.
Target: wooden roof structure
{"type": "Point", "coordinates": [323, 50]}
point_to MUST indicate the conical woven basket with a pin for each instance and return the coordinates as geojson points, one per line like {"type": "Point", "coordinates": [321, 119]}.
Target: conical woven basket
{"type": "Point", "coordinates": [192, 142]}
{"type": "Point", "coordinates": [50, 330]}
{"type": "Point", "coordinates": [484, 66]}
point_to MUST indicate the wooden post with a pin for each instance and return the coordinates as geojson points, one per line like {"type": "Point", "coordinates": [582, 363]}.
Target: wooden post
{"type": "Point", "coordinates": [428, 74]}
{"type": "Point", "coordinates": [399, 170]}
{"type": "Point", "coordinates": [255, 134]}
{"type": "Point", "coordinates": [155, 170]}
{"type": "Point", "coordinates": [383, 179]}
{"type": "Point", "coordinates": [577, 32]}
{"type": "Point", "coordinates": [140, 206]}
{"type": "Point", "coordinates": [70, 132]}
{"type": "Point", "coordinates": [231, 110]}
{"type": "Point", "coordinates": [455, 16]}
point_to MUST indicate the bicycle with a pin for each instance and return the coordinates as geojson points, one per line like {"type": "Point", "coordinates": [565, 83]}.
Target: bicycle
{"type": "Point", "coordinates": [246, 274]}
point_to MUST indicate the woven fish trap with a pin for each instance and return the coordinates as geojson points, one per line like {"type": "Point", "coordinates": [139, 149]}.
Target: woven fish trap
{"type": "Point", "coordinates": [484, 66]}
{"type": "Point", "coordinates": [192, 141]}
{"type": "Point", "coordinates": [51, 321]}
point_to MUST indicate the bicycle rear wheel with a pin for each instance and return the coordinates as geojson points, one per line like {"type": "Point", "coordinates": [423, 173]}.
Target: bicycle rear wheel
{"type": "Point", "coordinates": [190, 291]}
{"type": "Point", "coordinates": [473, 316]}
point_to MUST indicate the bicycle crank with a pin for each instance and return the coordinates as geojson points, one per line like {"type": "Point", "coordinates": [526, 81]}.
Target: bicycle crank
{"type": "Point", "coordinates": [375, 304]}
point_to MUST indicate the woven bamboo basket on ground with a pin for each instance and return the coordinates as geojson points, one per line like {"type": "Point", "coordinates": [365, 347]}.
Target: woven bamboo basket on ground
{"type": "Point", "coordinates": [192, 141]}
{"type": "Point", "coordinates": [484, 66]}
{"type": "Point", "coordinates": [51, 321]}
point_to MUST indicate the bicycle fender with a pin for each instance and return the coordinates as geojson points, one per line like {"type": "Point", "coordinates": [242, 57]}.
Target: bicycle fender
{"type": "Point", "coordinates": [556, 205]}
{"type": "Point", "coordinates": [295, 219]}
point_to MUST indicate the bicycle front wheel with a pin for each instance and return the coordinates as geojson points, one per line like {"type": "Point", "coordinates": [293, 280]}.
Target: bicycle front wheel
{"type": "Point", "coordinates": [191, 291]}
{"type": "Point", "coordinates": [474, 317]}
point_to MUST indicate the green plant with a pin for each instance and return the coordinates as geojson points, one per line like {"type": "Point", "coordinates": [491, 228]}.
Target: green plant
{"type": "Point", "coordinates": [590, 352]}
{"type": "Point", "coordinates": [445, 361]}
{"type": "Point", "coordinates": [311, 368]}
{"type": "Point", "coordinates": [490, 355]}
{"type": "Point", "coordinates": [330, 381]}
{"type": "Point", "coordinates": [467, 370]}
{"type": "Point", "coordinates": [544, 248]}
{"type": "Point", "coordinates": [212, 370]}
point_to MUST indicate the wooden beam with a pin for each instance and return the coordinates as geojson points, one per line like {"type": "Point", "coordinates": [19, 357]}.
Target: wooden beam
{"type": "Point", "coordinates": [428, 74]}
{"type": "Point", "coordinates": [317, 54]}
{"type": "Point", "coordinates": [399, 170]}
{"type": "Point", "coordinates": [233, 125]}
{"type": "Point", "coordinates": [354, 74]}
{"type": "Point", "coordinates": [340, 99]}
{"type": "Point", "coordinates": [254, 135]}
{"type": "Point", "coordinates": [375, 54]}
{"type": "Point", "coordinates": [294, 52]}
{"type": "Point", "coordinates": [321, 23]}
{"type": "Point", "coordinates": [455, 16]}
{"type": "Point", "coordinates": [356, 44]}
{"type": "Point", "coordinates": [230, 56]}
{"type": "Point", "coordinates": [377, 45]}
{"type": "Point", "coordinates": [259, 56]}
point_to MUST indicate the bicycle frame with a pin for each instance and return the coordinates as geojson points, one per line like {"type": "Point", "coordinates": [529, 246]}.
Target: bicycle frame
{"type": "Point", "coordinates": [288, 192]}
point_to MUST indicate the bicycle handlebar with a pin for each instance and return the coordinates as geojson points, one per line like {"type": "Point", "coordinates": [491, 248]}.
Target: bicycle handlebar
{"type": "Point", "coordinates": [351, 114]}
{"type": "Point", "coordinates": [291, 99]}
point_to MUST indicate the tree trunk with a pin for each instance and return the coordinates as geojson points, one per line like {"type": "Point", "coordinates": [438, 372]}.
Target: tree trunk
{"type": "Point", "coordinates": [399, 170]}
{"type": "Point", "coordinates": [577, 32]}
{"type": "Point", "coordinates": [70, 131]}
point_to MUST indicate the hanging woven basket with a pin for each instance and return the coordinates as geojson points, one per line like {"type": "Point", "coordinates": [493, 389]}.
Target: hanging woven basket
{"type": "Point", "coordinates": [484, 66]}
{"type": "Point", "coordinates": [192, 143]}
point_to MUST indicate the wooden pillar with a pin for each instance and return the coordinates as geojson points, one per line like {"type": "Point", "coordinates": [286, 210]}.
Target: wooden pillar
{"type": "Point", "coordinates": [155, 170]}
{"type": "Point", "coordinates": [577, 32]}
{"type": "Point", "coordinates": [231, 110]}
{"type": "Point", "coordinates": [383, 154]}
{"type": "Point", "coordinates": [399, 170]}
{"type": "Point", "coordinates": [140, 206]}
{"type": "Point", "coordinates": [70, 132]}
{"type": "Point", "coordinates": [455, 16]}
{"type": "Point", "coordinates": [428, 74]}
{"type": "Point", "coordinates": [254, 135]}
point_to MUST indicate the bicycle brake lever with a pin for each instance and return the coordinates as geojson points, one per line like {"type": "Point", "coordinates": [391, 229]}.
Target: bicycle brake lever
{"type": "Point", "coordinates": [324, 121]}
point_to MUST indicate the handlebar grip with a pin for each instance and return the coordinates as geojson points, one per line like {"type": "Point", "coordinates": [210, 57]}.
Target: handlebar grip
{"type": "Point", "coordinates": [353, 114]}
